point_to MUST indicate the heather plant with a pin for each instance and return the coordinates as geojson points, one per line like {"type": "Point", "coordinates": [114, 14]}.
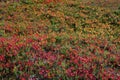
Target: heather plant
{"type": "Point", "coordinates": [58, 40]}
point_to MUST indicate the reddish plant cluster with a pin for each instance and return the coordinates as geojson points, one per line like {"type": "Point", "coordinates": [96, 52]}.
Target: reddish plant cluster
{"type": "Point", "coordinates": [23, 57]}
{"type": "Point", "coordinates": [58, 42]}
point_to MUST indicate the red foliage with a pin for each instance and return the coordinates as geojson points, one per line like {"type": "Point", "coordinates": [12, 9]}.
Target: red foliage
{"type": "Point", "coordinates": [2, 57]}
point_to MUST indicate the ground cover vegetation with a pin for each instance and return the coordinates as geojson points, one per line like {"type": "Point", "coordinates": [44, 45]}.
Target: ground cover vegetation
{"type": "Point", "coordinates": [59, 40]}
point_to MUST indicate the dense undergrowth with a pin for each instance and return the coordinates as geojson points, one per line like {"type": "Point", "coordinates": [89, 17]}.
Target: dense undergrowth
{"type": "Point", "coordinates": [64, 40]}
